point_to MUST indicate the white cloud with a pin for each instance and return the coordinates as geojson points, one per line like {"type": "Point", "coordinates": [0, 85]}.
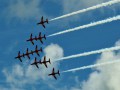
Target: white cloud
{"type": "Point", "coordinates": [24, 9]}
{"type": "Point", "coordinates": [117, 43]}
{"type": "Point", "coordinates": [19, 76]}
{"type": "Point", "coordinates": [104, 78]}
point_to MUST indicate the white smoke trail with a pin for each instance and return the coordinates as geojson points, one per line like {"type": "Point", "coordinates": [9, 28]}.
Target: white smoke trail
{"type": "Point", "coordinates": [90, 53]}
{"type": "Point", "coordinates": [88, 25]}
{"type": "Point", "coordinates": [87, 9]}
{"type": "Point", "coordinates": [92, 66]}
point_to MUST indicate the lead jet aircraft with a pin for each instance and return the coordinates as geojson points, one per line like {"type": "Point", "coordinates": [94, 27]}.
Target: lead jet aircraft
{"type": "Point", "coordinates": [31, 39]}
{"type": "Point", "coordinates": [27, 53]}
{"type": "Point", "coordinates": [35, 62]}
{"type": "Point", "coordinates": [37, 51]}
{"type": "Point", "coordinates": [19, 56]}
{"type": "Point", "coordinates": [40, 37]}
{"type": "Point", "coordinates": [42, 22]}
{"type": "Point", "coordinates": [54, 73]}
{"type": "Point", "coordinates": [45, 62]}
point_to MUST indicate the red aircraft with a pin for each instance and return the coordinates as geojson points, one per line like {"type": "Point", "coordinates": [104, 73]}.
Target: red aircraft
{"type": "Point", "coordinates": [35, 62]}
{"type": "Point", "coordinates": [54, 73]}
{"type": "Point", "coordinates": [37, 51]}
{"type": "Point", "coordinates": [45, 62]}
{"type": "Point", "coordinates": [41, 37]}
{"type": "Point", "coordinates": [31, 39]}
{"type": "Point", "coordinates": [19, 56]}
{"type": "Point", "coordinates": [27, 53]}
{"type": "Point", "coordinates": [42, 22]}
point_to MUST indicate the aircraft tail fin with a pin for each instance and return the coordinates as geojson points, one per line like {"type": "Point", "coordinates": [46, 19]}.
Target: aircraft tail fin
{"type": "Point", "coordinates": [40, 34]}
{"type": "Point", "coordinates": [47, 20]}
{"type": "Point", "coordinates": [31, 52]}
{"type": "Point", "coordinates": [23, 55]}
{"type": "Point", "coordinates": [19, 53]}
{"type": "Point", "coordinates": [49, 61]}
{"type": "Point", "coordinates": [27, 51]}
{"type": "Point", "coordinates": [41, 49]}
{"type": "Point", "coordinates": [58, 73]}
{"type": "Point", "coordinates": [36, 47]}
{"type": "Point", "coordinates": [44, 36]}
{"type": "Point", "coordinates": [35, 38]}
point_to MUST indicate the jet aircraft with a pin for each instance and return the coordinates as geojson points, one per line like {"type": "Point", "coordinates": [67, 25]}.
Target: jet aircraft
{"type": "Point", "coordinates": [35, 62]}
{"type": "Point", "coordinates": [27, 53]}
{"type": "Point", "coordinates": [42, 22]}
{"type": "Point", "coordinates": [37, 51]}
{"type": "Point", "coordinates": [54, 73]}
{"type": "Point", "coordinates": [40, 37]}
{"type": "Point", "coordinates": [45, 62]}
{"type": "Point", "coordinates": [19, 56]}
{"type": "Point", "coordinates": [31, 39]}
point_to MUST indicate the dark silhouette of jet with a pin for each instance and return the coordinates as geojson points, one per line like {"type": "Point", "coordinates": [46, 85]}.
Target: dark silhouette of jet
{"type": "Point", "coordinates": [19, 56]}
{"type": "Point", "coordinates": [37, 51]}
{"type": "Point", "coordinates": [54, 73]}
{"type": "Point", "coordinates": [45, 62]}
{"type": "Point", "coordinates": [23, 55]}
{"type": "Point", "coordinates": [36, 38]}
{"type": "Point", "coordinates": [31, 39]}
{"type": "Point", "coordinates": [35, 62]}
{"type": "Point", "coordinates": [40, 37]}
{"type": "Point", "coordinates": [42, 22]}
{"type": "Point", "coordinates": [27, 54]}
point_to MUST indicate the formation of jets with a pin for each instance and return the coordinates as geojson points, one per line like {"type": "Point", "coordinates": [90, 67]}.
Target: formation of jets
{"type": "Point", "coordinates": [40, 37]}
{"type": "Point", "coordinates": [36, 62]}
{"type": "Point", "coordinates": [28, 53]}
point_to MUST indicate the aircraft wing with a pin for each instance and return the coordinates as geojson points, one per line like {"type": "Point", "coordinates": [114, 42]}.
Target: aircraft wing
{"type": "Point", "coordinates": [55, 77]}
{"type": "Point", "coordinates": [53, 70]}
{"type": "Point", "coordinates": [43, 25]}
{"type": "Point", "coordinates": [42, 19]}
{"type": "Point", "coordinates": [36, 65]}
{"type": "Point", "coordinates": [32, 42]}
{"type": "Point", "coordinates": [33, 63]}
{"type": "Point", "coordinates": [38, 54]}
{"type": "Point", "coordinates": [41, 41]}
{"type": "Point", "coordinates": [40, 34]}
{"type": "Point", "coordinates": [45, 65]}
{"type": "Point", "coordinates": [20, 59]}
{"type": "Point", "coordinates": [28, 56]}
{"type": "Point", "coordinates": [44, 58]}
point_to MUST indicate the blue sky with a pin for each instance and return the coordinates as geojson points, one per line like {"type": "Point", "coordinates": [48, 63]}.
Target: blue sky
{"type": "Point", "coordinates": [18, 20]}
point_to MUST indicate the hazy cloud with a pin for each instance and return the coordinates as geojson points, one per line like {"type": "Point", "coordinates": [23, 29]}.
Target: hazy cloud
{"type": "Point", "coordinates": [103, 78]}
{"type": "Point", "coordinates": [18, 76]}
{"type": "Point", "coordinates": [24, 9]}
